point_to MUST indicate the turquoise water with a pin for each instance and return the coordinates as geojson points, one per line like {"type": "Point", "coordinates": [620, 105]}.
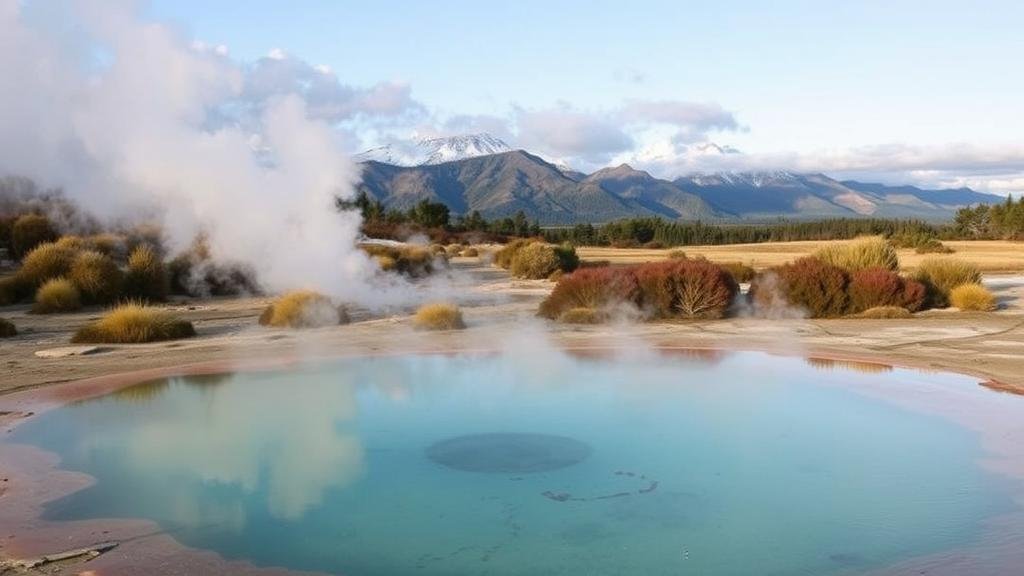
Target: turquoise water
{"type": "Point", "coordinates": [736, 464]}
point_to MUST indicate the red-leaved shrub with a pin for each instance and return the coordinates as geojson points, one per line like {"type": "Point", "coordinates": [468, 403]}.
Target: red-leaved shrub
{"type": "Point", "coordinates": [668, 289]}
{"type": "Point", "coordinates": [594, 288]}
{"type": "Point", "coordinates": [874, 287]}
{"type": "Point", "coordinates": [808, 283]}
{"type": "Point", "coordinates": [685, 288]}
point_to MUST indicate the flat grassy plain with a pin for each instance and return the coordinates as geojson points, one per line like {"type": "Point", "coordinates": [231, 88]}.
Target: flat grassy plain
{"type": "Point", "coordinates": [991, 256]}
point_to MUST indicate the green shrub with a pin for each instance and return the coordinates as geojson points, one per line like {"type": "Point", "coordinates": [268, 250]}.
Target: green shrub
{"type": "Point", "coordinates": [921, 242]}
{"type": "Point", "coordinates": [816, 287]}
{"type": "Point", "coordinates": [303, 309]}
{"type": "Point", "coordinates": [438, 316]}
{"type": "Point", "coordinates": [878, 287]}
{"type": "Point", "coordinates": [7, 329]}
{"type": "Point", "coordinates": [96, 276]}
{"type": "Point", "coordinates": [973, 297]}
{"type": "Point", "coordinates": [861, 253]}
{"type": "Point", "coordinates": [45, 262]}
{"type": "Point", "coordinates": [28, 232]}
{"type": "Point", "coordinates": [146, 277]}
{"type": "Point", "coordinates": [57, 295]}
{"type": "Point", "coordinates": [595, 288]}
{"type": "Point", "coordinates": [134, 323]}
{"type": "Point", "coordinates": [885, 313]}
{"type": "Point", "coordinates": [940, 275]}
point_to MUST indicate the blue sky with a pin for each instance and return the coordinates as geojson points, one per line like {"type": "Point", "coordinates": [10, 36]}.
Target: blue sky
{"type": "Point", "coordinates": [938, 85]}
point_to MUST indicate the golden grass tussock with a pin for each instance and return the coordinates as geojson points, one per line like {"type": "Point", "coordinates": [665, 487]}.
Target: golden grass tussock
{"type": "Point", "coordinates": [57, 295]}
{"type": "Point", "coordinates": [146, 277]}
{"type": "Point", "coordinates": [972, 297]}
{"type": "Point", "coordinates": [413, 261]}
{"type": "Point", "coordinates": [942, 274]}
{"type": "Point", "coordinates": [884, 313]}
{"type": "Point", "coordinates": [438, 316]}
{"type": "Point", "coordinates": [303, 309]}
{"type": "Point", "coordinates": [581, 316]}
{"type": "Point", "coordinates": [470, 253]}
{"type": "Point", "coordinates": [134, 323]}
{"type": "Point", "coordinates": [861, 253]}
{"type": "Point", "coordinates": [7, 329]}
{"type": "Point", "coordinates": [96, 276]}
{"type": "Point", "coordinates": [44, 262]}
{"type": "Point", "coordinates": [677, 255]}
{"type": "Point", "coordinates": [534, 261]}
{"type": "Point", "coordinates": [503, 257]}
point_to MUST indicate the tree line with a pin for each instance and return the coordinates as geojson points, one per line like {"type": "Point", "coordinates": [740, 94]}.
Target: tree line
{"type": "Point", "coordinates": [995, 221]}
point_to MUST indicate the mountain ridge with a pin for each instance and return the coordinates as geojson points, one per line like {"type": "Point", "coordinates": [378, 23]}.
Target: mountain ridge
{"type": "Point", "coordinates": [501, 184]}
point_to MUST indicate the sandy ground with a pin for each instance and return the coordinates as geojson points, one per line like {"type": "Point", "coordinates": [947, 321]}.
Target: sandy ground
{"type": "Point", "coordinates": [498, 311]}
{"type": "Point", "coordinates": [995, 256]}
{"type": "Point", "coordinates": [988, 345]}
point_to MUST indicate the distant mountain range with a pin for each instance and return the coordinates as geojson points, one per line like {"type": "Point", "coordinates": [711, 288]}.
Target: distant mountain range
{"type": "Point", "coordinates": [466, 175]}
{"type": "Point", "coordinates": [429, 151]}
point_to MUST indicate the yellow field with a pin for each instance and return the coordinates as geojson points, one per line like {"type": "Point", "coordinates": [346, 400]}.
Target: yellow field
{"type": "Point", "coordinates": [989, 255]}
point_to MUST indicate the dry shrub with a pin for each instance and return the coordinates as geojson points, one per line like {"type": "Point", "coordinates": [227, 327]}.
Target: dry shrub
{"type": "Point", "coordinates": [685, 288]}
{"type": "Point", "coordinates": [303, 309]}
{"type": "Point", "coordinates": [146, 278]}
{"type": "Point", "coordinates": [14, 289]}
{"type": "Point", "coordinates": [413, 261]}
{"type": "Point", "coordinates": [702, 289]}
{"type": "Point", "coordinates": [96, 276]}
{"type": "Point", "coordinates": [28, 232]}
{"type": "Point", "coordinates": [581, 316]}
{"type": "Point", "coordinates": [677, 255]}
{"type": "Point", "coordinates": [503, 257]}
{"type": "Point", "coordinates": [861, 253]}
{"type": "Point", "coordinates": [875, 287]}
{"type": "Point", "coordinates": [470, 253]}
{"type": "Point", "coordinates": [885, 313]}
{"type": "Point", "coordinates": [596, 288]}
{"type": "Point", "coordinates": [45, 262]}
{"type": "Point", "coordinates": [193, 272]}
{"type": "Point", "coordinates": [739, 271]}
{"type": "Point", "coordinates": [108, 244]}
{"type": "Point", "coordinates": [7, 329]}
{"type": "Point", "coordinates": [974, 297]}
{"type": "Point", "coordinates": [941, 275]}
{"type": "Point", "coordinates": [57, 295]}
{"type": "Point", "coordinates": [534, 261]}
{"type": "Point", "coordinates": [438, 316]}
{"type": "Point", "coordinates": [453, 250]}
{"type": "Point", "coordinates": [134, 323]}
{"type": "Point", "coordinates": [816, 287]}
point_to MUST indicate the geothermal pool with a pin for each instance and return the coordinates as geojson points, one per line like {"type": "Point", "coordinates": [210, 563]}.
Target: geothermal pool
{"type": "Point", "coordinates": [542, 463]}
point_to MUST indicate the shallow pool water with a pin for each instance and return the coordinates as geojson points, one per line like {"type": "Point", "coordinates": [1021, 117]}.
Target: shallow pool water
{"type": "Point", "coordinates": [739, 463]}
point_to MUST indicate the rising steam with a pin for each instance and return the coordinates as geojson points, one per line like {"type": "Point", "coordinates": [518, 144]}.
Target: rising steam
{"type": "Point", "coordinates": [131, 119]}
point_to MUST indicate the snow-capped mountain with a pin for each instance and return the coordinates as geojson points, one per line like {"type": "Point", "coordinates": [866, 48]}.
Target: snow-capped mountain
{"type": "Point", "coordinates": [429, 151]}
